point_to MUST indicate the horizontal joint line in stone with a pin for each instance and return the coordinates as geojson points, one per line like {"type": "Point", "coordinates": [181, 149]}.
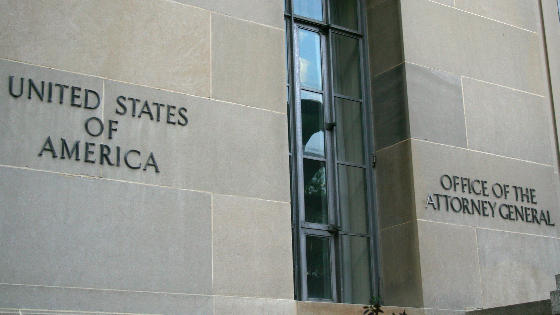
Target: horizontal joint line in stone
{"type": "Point", "coordinates": [373, 6]}
{"type": "Point", "coordinates": [391, 68]}
{"type": "Point", "coordinates": [45, 311]}
{"type": "Point", "coordinates": [482, 152]}
{"type": "Point", "coordinates": [231, 16]}
{"type": "Point", "coordinates": [147, 86]}
{"type": "Point", "coordinates": [138, 183]}
{"type": "Point", "coordinates": [392, 145]}
{"type": "Point", "coordinates": [137, 291]}
{"type": "Point", "coordinates": [98, 289]}
{"type": "Point", "coordinates": [489, 229]}
{"type": "Point", "coordinates": [484, 17]}
{"type": "Point", "coordinates": [464, 76]}
{"type": "Point", "coordinates": [390, 227]}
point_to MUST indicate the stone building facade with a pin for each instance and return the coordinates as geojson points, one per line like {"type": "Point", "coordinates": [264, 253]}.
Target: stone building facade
{"type": "Point", "coordinates": [145, 165]}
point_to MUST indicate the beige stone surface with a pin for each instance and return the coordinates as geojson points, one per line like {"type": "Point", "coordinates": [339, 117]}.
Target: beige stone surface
{"type": "Point", "coordinates": [260, 11]}
{"type": "Point", "coordinates": [389, 107]}
{"type": "Point", "coordinates": [434, 161]}
{"type": "Point", "coordinates": [474, 46]}
{"type": "Point", "coordinates": [395, 185]}
{"type": "Point", "coordinates": [435, 106]}
{"type": "Point", "coordinates": [449, 264]}
{"type": "Point", "coordinates": [155, 43]}
{"type": "Point", "coordinates": [252, 248]}
{"type": "Point", "coordinates": [520, 13]}
{"type": "Point", "coordinates": [507, 122]}
{"type": "Point", "coordinates": [26, 121]}
{"type": "Point", "coordinates": [248, 63]}
{"type": "Point", "coordinates": [516, 268]}
{"type": "Point", "coordinates": [400, 266]}
{"type": "Point", "coordinates": [384, 36]}
{"type": "Point", "coordinates": [224, 148]}
{"type": "Point", "coordinates": [39, 300]}
{"type": "Point", "coordinates": [70, 231]}
{"type": "Point", "coordinates": [317, 308]}
{"type": "Point", "coordinates": [253, 306]}
{"type": "Point", "coordinates": [552, 33]}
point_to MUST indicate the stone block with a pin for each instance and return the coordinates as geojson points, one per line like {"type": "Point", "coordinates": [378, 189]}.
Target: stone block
{"type": "Point", "coordinates": [35, 300]}
{"type": "Point", "coordinates": [27, 121]}
{"type": "Point", "coordinates": [469, 45]}
{"type": "Point", "coordinates": [154, 43]}
{"type": "Point", "coordinates": [224, 148]}
{"type": "Point", "coordinates": [520, 13]}
{"type": "Point", "coordinates": [395, 185]}
{"type": "Point", "coordinates": [385, 36]}
{"type": "Point", "coordinates": [252, 248]}
{"type": "Point", "coordinates": [400, 266]}
{"type": "Point", "coordinates": [319, 308]}
{"type": "Point", "coordinates": [71, 231]}
{"type": "Point", "coordinates": [552, 33]}
{"type": "Point", "coordinates": [506, 260]}
{"type": "Point", "coordinates": [390, 112]}
{"type": "Point", "coordinates": [435, 106]}
{"type": "Point", "coordinates": [430, 311]}
{"type": "Point", "coordinates": [436, 160]}
{"type": "Point", "coordinates": [446, 2]}
{"type": "Point", "coordinates": [253, 306]}
{"type": "Point", "coordinates": [507, 122]}
{"type": "Point", "coordinates": [533, 308]}
{"type": "Point", "coordinates": [449, 260]}
{"type": "Point", "coordinates": [263, 12]}
{"type": "Point", "coordinates": [248, 64]}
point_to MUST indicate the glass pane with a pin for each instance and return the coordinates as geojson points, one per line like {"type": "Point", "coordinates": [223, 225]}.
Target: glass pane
{"type": "Point", "coordinates": [310, 59]}
{"type": "Point", "coordinates": [346, 55]}
{"type": "Point", "coordinates": [312, 9]}
{"type": "Point", "coordinates": [318, 267]}
{"type": "Point", "coordinates": [349, 132]}
{"type": "Point", "coordinates": [356, 270]}
{"type": "Point", "coordinates": [315, 191]}
{"type": "Point", "coordinates": [352, 198]}
{"type": "Point", "coordinates": [313, 136]}
{"type": "Point", "coordinates": [345, 13]}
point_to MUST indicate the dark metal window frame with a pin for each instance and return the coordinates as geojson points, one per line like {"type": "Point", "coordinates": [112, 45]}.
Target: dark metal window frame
{"type": "Point", "coordinates": [299, 227]}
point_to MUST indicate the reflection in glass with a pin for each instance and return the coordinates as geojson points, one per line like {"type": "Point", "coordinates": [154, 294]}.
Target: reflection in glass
{"type": "Point", "coordinates": [315, 191]}
{"type": "Point", "coordinates": [312, 9]}
{"type": "Point", "coordinates": [313, 137]}
{"type": "Point", "coordinates": [345, 13]}
{"type": "Point", "coordinates": [310, 59]}
{"type": "Point", "coordinates": [352, 198]}
{"type": "Point", "coordinates": [349, 136]}
{"type": "Point", "coordinates": [346, 61]}
{"type": "Point", "coordinates": [355, 270]}
{"type": "Point", "coordinates": [318, 267]}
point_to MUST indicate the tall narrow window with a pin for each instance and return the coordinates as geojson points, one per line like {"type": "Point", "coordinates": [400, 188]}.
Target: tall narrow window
{"type": "Point", "coordinates": [330, 148]}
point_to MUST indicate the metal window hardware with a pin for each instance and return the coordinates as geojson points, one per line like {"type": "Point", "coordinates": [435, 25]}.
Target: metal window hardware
{"type": "Point", "coordinates": [373, 160]}
{"type": "Point", "coordinates": [333, 228]}
{"type": "Point", "coordinates": [330, 126]}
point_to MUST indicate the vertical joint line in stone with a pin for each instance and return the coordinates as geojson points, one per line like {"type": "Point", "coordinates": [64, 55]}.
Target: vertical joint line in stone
{"type": "Point", "coordinates": [549, 83]}
{"type": "Point", "coordinates": [210, 52]}
{"type": "Point", "coordinates": [464, 112]}
{"type": "Point", "coordinates": [212, 237]}
{"type": "Point", "coordinates": [479, 271]}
